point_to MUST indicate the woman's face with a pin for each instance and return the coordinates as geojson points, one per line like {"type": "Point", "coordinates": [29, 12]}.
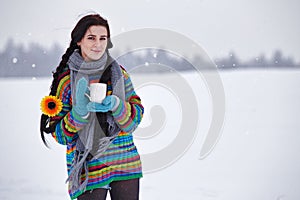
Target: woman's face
{"type": "Point", "coordinates": [93, 44]}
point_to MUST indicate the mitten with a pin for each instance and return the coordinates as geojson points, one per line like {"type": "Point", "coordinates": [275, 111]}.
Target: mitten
{"type": "Point", "coordinates": [81, 101]}
{"type": "Point", "coordinates": [109, 103]}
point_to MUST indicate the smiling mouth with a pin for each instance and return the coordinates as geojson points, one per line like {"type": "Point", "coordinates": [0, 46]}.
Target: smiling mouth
{"type": "Point", "coordinates": [96, 51]}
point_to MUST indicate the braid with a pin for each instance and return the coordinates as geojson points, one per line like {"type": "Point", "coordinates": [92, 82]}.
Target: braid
{"type": "Point", "coordinates": [62, 65]}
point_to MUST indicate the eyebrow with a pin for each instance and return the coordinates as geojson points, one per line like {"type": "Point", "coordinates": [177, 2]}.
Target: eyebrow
{"type": "Point", "coordinates": [95, 35]}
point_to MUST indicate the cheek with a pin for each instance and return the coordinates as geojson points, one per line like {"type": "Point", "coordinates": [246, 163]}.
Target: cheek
{"type": "Point", "coordinates": [103, 44]}
{"type": "Point", "coordinates": [88, 44]}
{"type": "Point", "coordinates": [86, 47]}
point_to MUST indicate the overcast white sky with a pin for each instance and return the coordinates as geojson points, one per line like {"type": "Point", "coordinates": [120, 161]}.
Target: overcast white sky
{"type": "Point", "coordinates": [249, 28]}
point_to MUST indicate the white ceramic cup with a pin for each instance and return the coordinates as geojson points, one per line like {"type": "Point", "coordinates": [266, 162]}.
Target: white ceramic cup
{"type": "Point", "coordinates": [97, 92]}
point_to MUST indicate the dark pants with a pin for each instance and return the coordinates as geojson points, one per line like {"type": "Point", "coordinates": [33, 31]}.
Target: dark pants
{"type": "Point", "coordinates": [120, 190]}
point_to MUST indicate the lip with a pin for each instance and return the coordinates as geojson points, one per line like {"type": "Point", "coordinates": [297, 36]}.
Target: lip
{"type": "Point", "coordinates": [96, 51]}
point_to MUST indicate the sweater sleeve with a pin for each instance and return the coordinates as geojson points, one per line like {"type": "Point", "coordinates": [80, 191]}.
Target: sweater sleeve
{"type": "Point", "coordinates": [128, 114]}
{"type": "Point", "coordinates": [68, 123]}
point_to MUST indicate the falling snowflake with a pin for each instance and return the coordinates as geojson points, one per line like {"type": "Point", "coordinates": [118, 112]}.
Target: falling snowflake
{"type": "Point", "coordinates": [33, 65]}
{"type": "Point", "coordinates": [15, 60]}
{"type": "Point", "coordinates": [146, 63]}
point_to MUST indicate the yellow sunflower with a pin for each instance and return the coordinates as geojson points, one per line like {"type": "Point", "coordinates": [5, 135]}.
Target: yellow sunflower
{"type": "Point", "coordinates": [51, 105]}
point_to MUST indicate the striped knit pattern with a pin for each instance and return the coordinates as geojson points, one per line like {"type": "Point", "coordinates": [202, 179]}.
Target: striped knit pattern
{"type": "Point", "coordinates": [121, 160]}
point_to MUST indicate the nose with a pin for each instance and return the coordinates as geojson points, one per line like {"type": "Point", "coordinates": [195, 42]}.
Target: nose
{"type": "Point", "coordinates": [97, 43]}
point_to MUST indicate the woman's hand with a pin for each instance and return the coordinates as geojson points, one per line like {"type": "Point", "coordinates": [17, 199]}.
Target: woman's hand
{"type": "Point", "coordinates": [81, 100]}
{"type": "Point", "coordinates": [109, 103]}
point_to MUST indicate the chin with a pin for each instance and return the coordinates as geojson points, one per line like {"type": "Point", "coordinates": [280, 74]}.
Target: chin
{"type": "Point", "coordinates": [95, 57]}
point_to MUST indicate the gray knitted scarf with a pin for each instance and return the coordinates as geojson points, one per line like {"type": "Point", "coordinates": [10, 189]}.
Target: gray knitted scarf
{"type": "Point", "coordinates": [92, 140]}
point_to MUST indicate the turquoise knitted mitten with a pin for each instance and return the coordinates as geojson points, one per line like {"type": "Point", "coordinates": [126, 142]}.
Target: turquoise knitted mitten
{"type": "Point", "coordinates": [81, 100]}
{"type": "Point", "coordinates": [108, 104]}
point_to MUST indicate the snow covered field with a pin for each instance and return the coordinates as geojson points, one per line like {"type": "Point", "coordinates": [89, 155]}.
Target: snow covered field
{"type": "Point", "coordinates": [256, 158]}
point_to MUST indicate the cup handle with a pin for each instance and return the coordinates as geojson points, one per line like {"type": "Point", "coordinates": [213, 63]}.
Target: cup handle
{"type": "Point", "coordinates": [87, 96]}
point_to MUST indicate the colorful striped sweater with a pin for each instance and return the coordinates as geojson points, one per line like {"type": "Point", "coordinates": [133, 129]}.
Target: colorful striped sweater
{"type": "Point", "coordinates": [121, 160]}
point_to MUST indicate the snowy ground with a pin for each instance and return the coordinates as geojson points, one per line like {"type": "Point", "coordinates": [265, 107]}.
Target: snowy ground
{"type": "Point", "coordinates": [257, 156]}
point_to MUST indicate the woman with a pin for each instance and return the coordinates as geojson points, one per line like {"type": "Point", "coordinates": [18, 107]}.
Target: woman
{"type": "Point", "coordinates": [101, 155]}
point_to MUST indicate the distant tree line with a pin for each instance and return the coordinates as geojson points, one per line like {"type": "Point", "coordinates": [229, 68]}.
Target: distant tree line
{"type": "Point", "coordinates": [38, 61]}
{"type": "Point", "coordinates": [277, 60]}
{"type": "Point", "coordinates": [33, 61]}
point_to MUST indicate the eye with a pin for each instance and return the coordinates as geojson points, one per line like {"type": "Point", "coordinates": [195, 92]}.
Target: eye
{"type": "Point", "coordinates": [91, 38]}
{"type": "Point", "coordinates": [103, 38]}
